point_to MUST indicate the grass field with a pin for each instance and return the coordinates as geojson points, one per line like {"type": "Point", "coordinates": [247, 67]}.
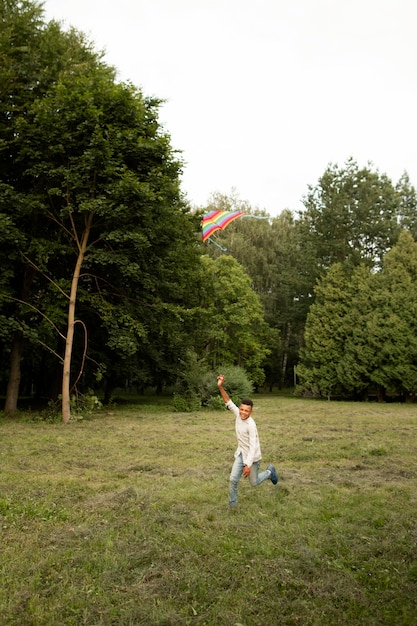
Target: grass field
{"type": "Point", "coordinates": [122, 519]}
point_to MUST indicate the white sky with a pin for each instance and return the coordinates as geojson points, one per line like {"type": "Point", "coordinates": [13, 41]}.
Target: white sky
{"type": "Point", "coordinates": [263, 94]}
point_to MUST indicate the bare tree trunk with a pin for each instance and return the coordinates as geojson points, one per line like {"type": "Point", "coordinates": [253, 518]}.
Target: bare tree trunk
{"type": "Point", "coordinates": [12, 393]}
{"type": "Point", "coordinates": [66, 399]}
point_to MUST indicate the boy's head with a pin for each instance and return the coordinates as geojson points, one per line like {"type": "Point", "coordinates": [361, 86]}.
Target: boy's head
{"type": "Point", "coordinates": [245, 408]}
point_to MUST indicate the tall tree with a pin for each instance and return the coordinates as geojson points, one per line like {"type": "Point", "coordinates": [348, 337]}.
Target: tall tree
{"type": "Point", "coordinates": [32, 54]}
{"type": "Point", "coordinates": [106, 231]}
{"type": "Point", "coordinates": [95, 152]}
{"type": "Point", "coordinates": [277, 259]}
{"type": "Point", "coordinates": [229, 327]}
{"type": "Point", "coordinates": [325, 334]}
{"type": "Point", "coordinates": [361, 330]}
{"type": "Point", "coordinates": [395, 323]}
{"type": "Point", "coordinates": [351, 215]}
{"type": "Point", "coordinates": [408, 203]}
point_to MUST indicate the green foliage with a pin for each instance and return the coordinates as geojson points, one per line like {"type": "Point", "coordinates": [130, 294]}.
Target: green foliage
{"type": "Point", "coordinates": [86, 403]}
{"type": "Point", "coordinates": [361, 331]}
{"type": "Point", "coordinates": [230, 325]}
{"type": "Point", "coordinates": [82, 405]}
{"type": "Point", "coordinates": [186, 402]}
{"type": "Point", "coordinates": [237, 383]}
{"type": "Point", "coordinates": [197, 386]}
{"type": "Point", "coordinates": [352, 215]}
{"type": "Point", "coordinates": [215, 403]}
{"type": "Point", "coordinates": [86, 160]}
{"type": "Point", "coordinates": [325, 335]}
{"type": "Point", "coordinates": [195, 378]}
{"type": "Point", "coordinates": [395, 322]}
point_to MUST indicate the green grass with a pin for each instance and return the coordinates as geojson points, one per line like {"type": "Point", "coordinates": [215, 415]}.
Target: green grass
{"type": "Point", "coordinates": [122, 519]}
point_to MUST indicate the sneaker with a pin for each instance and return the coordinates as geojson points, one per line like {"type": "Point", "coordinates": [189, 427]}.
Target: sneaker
{"type": "Point", "coordinates": [274, 474]}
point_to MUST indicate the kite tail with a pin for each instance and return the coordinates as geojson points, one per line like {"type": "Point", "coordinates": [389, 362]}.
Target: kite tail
{"type": "Point", "coordinates": [256, 217]}
{"type": "Point", "coordinates": [222, 248]}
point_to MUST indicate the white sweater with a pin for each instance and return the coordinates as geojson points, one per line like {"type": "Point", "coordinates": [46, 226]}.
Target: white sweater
{"type": "Point", "coordinates": [247, 436]}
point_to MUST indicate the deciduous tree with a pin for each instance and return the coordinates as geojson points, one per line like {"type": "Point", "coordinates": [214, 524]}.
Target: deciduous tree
{"type": "Point", "coordinates": [351, 215]}
{"type": "Point", "coordinates": [230, 326]}
{"type": "Point", "coordinates": [32, 54]}
{"type": "Point", "coordinates": [105, 229]}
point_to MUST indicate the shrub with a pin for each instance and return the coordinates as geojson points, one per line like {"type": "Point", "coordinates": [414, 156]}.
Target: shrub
{"type": "Point", "coordinates": [198, 385]}
{"type": "Point", "coordinates": [186, 403]}
{"type": "Point", "coordinates": [215, 403]}
{"type": "Point", "coordinates": [236, 383]}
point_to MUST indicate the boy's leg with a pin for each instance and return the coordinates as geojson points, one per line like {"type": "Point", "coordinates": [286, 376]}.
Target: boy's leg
{"type": "Point", "coordinates": [255, 478]}
{"type": "Point", "coordinates": [235, 476]}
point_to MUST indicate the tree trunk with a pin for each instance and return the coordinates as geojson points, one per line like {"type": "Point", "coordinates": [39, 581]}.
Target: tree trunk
{"type": "Point", "coordinates": [12, 393]}
{"type": "Point", "coordinates": [285, 348]}
{"type": "Point", "coordinates": [66, 399]}
{"type": "Point", "coordinates": [108, 389]}
{"type": "Point", "coordinates": [380, 393]}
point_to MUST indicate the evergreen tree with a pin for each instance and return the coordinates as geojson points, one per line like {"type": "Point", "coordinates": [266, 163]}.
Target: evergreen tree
{"type": "Point", "coordinates": [361, 330]}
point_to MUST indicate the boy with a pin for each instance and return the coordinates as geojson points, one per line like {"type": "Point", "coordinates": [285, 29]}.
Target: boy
{"type": "Point", "coordinates": [248, 454]}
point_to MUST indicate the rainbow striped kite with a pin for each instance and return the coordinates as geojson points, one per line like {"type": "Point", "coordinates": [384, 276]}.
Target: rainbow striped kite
{"type": "Point", "coordinates": [217, 220]}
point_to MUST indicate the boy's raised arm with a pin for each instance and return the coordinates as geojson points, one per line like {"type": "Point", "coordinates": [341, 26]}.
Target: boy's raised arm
{"type": "Point", "coordinates": [224, 395]}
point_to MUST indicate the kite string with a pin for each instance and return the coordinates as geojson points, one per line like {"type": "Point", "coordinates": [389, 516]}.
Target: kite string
{"type": "Point", "coordinates": [257, 217]}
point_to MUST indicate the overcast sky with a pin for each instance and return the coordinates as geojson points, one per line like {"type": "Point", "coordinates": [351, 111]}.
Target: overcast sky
{"type": "Point", "coordinates": [261, 95]}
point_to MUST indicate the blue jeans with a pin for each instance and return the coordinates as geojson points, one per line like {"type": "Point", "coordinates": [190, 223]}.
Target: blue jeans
{"type": "Point", "coordinates": [255, 478]}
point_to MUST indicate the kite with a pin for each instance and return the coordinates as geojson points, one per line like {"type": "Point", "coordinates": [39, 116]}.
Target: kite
{"type": "Point", "coordinates": [218, 220]}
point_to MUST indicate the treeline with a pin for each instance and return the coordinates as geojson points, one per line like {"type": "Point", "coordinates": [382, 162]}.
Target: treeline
{"type": "Point", "coordinates": [105, 281]}
{"type": "Point", "coordinates": [337, 284]}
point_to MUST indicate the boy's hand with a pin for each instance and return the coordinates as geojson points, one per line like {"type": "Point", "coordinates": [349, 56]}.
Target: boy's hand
{"type": "Point", "coordinates": [246, 471]}
{"type": "Point", "coordinates": [223, 392]}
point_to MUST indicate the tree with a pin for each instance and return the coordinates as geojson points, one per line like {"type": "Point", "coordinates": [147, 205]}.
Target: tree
{"type": "Point", "coordinates": [361, 330]}
{"type": "Point", "coordinates": [31, 56]}
{"type": "Point", "coordinates": [408, 203]}
{"type": "Point", "coordinates": [112, 184]}
{"type": "Point", "coordinates": [99, 183]}
{"type": "Point", "coordinates": [359, 356]}
{"type": "Point", "coordinates": [229, 327]}
{"type": "Point", "coordinates": [325, 334]}
{"type": "Point", "coordinates": [278, 261]}
{"type": "Point", "coordinates": [351, 215]}
{"type": "Point", "coordinates": [395, 327]}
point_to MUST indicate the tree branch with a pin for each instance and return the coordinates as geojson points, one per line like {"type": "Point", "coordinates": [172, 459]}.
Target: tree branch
{"type": "Point", "coordinates": [28, 260]}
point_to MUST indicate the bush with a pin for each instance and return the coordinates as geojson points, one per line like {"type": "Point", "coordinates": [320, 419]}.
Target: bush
{"type": "Point", "coordinates": [236, 383]}
{"type": "Point", "coordinates": [215, 403]}
{"type": "Point", "coordinates": [186, 403]}
{"type": "Point", "coordinates": [198, 386]}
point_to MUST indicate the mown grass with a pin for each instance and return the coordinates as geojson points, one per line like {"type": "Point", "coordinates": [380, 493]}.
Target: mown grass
{"type": "Point", "coordinates": [122, 519]}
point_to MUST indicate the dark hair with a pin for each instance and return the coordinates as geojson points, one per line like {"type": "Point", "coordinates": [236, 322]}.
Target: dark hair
{"type": "Point", "coordinates": [247, 401]}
